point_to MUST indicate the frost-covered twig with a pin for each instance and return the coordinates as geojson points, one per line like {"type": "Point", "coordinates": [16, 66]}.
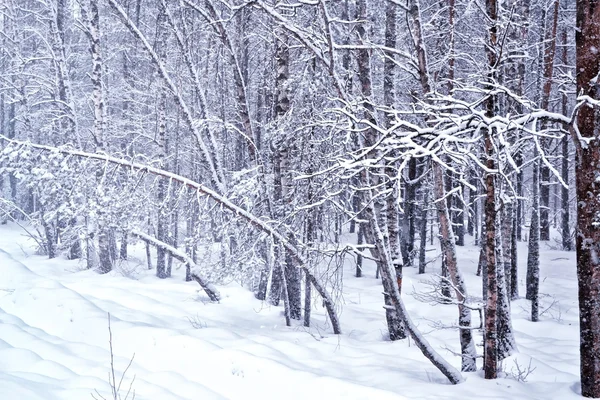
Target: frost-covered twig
{"type": "Point", "coordinates": [8, 214]}
{"type": "Point", "coordinates": [112, 379]}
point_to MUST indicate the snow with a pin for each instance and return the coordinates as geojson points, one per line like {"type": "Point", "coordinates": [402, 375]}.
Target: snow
{"type": "Point", "coordinates": [54, 336]}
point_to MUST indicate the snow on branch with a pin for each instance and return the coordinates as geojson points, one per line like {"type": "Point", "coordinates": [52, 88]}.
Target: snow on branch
{"type": "Point", "coordinates": [210, 290]}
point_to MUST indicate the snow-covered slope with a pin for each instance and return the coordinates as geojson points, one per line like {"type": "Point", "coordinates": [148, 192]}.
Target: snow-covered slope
{"type": "Point", "coordinates": [54, 337]}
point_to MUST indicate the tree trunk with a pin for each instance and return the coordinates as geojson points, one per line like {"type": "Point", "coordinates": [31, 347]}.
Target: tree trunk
{"type": "Point", "coordinates": [567, 243]}
{"type": "Point", "coordinates": [506, 340]}
{"type": "Point", "coordinates": [123, 248]}
{"type": "Point", "coordinates": [507, 226]}
{"type": "Point", "coordinates": [359, 257]}
{"type": "Point", "coordinates": [490, 363]}
{"type": "Point", "coordinates": [549, 53]}
{"type": "Point", "coordinates": [162, 225]}
{"type": "Point", "coordinates": [587, 40]}
{"type": "Point", "coordinates": [467, 345]}
{"type": "Point", "coordinates": [533, 255]}
{"type": "Point", "coordinates": [423, 239]}
{"type": "Point", "coordinates": [514, 277]}
{"type": "Point", "coordinates": [104, 241]}
{"type": "Point", "coordinates": [394, 322]}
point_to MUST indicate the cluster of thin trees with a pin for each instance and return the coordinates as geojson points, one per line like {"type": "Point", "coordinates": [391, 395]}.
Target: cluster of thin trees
{"type": "Point", "coordinates": [244, 138]}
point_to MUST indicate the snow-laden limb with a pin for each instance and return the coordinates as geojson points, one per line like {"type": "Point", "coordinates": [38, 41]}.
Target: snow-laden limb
{"type": "Point", "coordinates": [240, 212]}
{"type": "Point", "coordinates": [217, 176]}
{"type": "Point", "coordinates": [210, 290]}
{"type": "Point", "coordinates": [308, 41]}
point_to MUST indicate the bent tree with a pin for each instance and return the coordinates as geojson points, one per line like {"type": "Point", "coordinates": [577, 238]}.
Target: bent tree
{"type": "Point", "coordinates": [201, 190]}
{"type": "Point", "coordinates": [586, 136]}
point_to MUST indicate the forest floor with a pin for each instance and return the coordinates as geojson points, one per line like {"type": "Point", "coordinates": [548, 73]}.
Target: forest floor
{"type": "Point", "coordinates": [54, 336]}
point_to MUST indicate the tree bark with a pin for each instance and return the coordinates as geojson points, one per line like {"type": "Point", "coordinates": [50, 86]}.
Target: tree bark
{"type": "Point", "coordinates": [533, 255]}
{"type": "Point", "coordinates": [467, 345]}
{"type": "Point", "coordinates": [549, 53]}
{"type": "Point", "coordinates": [490, 363]}
{"type": "Point", "coordinates": [567, 243]}
{"type": "Point", "coordinates": [585, 136]}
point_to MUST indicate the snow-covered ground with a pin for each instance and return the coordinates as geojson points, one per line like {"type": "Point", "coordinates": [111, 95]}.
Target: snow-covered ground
{"type": "Point", "coordinates": [54, 337]}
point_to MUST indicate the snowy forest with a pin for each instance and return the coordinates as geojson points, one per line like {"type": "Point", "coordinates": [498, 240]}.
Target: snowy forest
{"type": "Point", "coordinates": [291, 149]}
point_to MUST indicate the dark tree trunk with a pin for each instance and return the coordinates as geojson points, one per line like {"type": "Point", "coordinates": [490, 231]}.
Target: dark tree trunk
{"type": "Point", "coordinates": [276, 277]}
{"type": "Point", "coordinates": [549, 53]}
{"type": "Point", "coordinates": [506, 340]}
{"type": "Point", "coordinates": [507, 226]}
{"type": "Point", "coordinates": [359, 257]}
{"type": "Point", "coordinates": [411, 210]}
{"type": "Point", "coordinates": [544, 203]}
{"type": "Point", "coordinates": [490, 337]}
{"type": "Point", "coordinates": [123, 248]}
{"type": "Point", "coordinates": [105, 262]}
{"type": "Point", "coordinates": [567, 243]}
{"type": "Point", "coordinates": [263, 279]}
{"type": "Point", "coordinates": [472, 209]}
{"type": "Point", "coordinates": [533, 255]}
{"type": "Point", "coordinates": [75, 251]}
{"type": "Point", "coordinates": [587, 39]}
{"type": "Point", "coordinates": [490, 363]}
{"type": "Point", "coordinates": [423, 239]}
{"type": "Point", "coordinates": [519, 189]}
{"type": "Point", "coordinates": [514, 277]}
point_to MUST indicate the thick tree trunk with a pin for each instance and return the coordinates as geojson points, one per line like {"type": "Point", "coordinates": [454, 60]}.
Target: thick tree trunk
{"type": "Point", "coordinates": [490, 363]}
{"type": "Point", "coordinates": [506, 340]}
{"type": "Point", "coordinates": [282, 176]}
{"type": "Point", "coordinates": [490, 337]}
{"type": "Point", "coordinates": [104, 240]}
{"type": "Point", "coordinates": [587, 39]}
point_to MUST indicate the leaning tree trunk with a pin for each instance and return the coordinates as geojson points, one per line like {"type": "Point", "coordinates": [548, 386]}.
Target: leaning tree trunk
{"type": "Point", "coordinates": [394, 322]}
{"type": "Point", "coordinates": [389, 284]}
{"type": "Point", "coordinates": [467, 345]}
{"type": "Point", "coordinates": [587, 39]}
{"type": "Point", "coordinates": [392, 200]}
{"type": "Point", "coordinates": [201, 190]}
